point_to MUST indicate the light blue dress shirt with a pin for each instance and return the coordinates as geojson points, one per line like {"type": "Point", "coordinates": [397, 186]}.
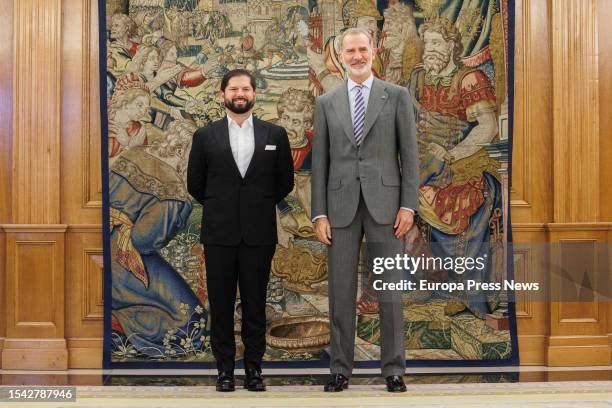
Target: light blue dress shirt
{"type": "Point", "coordinates": [365, 92]}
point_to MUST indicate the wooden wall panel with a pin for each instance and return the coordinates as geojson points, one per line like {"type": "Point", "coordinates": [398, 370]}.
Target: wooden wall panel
{"type": "Point", "coordinates": [530, 201]}
{"type": "Point", "coordinates": [34, 241]}
{"type": "Point", "coordinates": [34, 298]}
{"type": "Point", "coordinates": [84, 296]}
{"type": "Point", "coordinates": [6, 122]}
{"type": "Point", "coordinates": [577, 325]}
{"type": "Point", "coordinates": [6, 110]}
{"type": "Point", "coordinates": [576, 111]}
{"type": "Point", "coordinates": [530, 258]}
{"type": "Point", "coordinates": [37, 109]}
{"type": "Point", "coordinates": [577, 179]}
{"type": "Point", "coordinates": [532, 153]}
{"type": "Point", "coordinates": [81, 163]}
{"type": "Point", "coordinates": [82, 193]}
{"type": "Point", "coordinates": [605, 102]}
{"type": "Point", "coordinates": [3, 261]}
{"type": "Point", "coordinates": [35, 264]}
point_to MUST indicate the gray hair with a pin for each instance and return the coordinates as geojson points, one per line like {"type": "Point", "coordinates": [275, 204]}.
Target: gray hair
{"type": "Point", "coordinates": [355, 31]}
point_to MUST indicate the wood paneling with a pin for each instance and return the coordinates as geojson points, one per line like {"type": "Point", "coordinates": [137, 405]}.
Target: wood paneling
{"type": "Point", "coordinates": [81, 165]}
{"type": "Point", "coordinates": [6, 111]}
{"type": "Point", "coordinates": [578, 325]}
{"type": "Point", "coordinates": [532, 311]}
{"type": "Point", "coordinates": [605, 123]}
{"type": "Point", "coordinates": [34, 297]}
{"type": "Point", "coordinates": [3, 262]}
{"type": "Point", "coordinates": [605, 102]}
{"type": "Point", "coordinates": [532, 153]}
{"type": "Point", "coordinates": [36, 114]}
{"type": "Point", "coordinates": [34, 282]}
{"type": "Point", "coordinates": [82, 193]}
{"type": "Point", "coordinates": [576, 111]}
{"type": "Point", "coordinates": [6, 123]}
{"type": "Point", "coordinates": [84, 277]}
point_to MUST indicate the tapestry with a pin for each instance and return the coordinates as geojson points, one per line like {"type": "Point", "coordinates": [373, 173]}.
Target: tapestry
{"type": "Point", "coordinates": [161, 66]}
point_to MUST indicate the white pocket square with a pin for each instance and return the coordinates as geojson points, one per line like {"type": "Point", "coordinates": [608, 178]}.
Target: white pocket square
{"type": "Point", "coordinates": [270, 147]}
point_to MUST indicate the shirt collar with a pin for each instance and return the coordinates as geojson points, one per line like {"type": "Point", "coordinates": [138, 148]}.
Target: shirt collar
{"type": "Point", "coordinates": [367, 83]}
{"type": "Point", "coordinates": [248, 123]}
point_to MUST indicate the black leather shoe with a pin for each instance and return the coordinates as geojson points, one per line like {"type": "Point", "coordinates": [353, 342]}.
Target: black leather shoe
{"type": "Point", "coordinates": [225, 382]}
{"type": "Point", "coordinates": [395, 383]}
{"type": "Point", "coordinates": [254, 381]}
{"type": "Point", "coordinates": [336, 383]}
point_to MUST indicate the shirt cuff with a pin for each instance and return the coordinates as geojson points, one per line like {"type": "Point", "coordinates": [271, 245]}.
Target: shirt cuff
{"type": "Point", "coordinates": [409, 209]}
{"type": "Point", "coordinates": [317, 217]}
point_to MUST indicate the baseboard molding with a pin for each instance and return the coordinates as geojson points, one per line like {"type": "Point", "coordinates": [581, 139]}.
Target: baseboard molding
{"type": "Point", "coordinates": [34, 354]}
{"type": "Point", "coordinates": [578, 351]}
{"type": "Point", "coordinates": [85, 352]}
{"type": "Point", "coordinates": [1, 348]}
{"type": "Point", "coordinates": [532, 349]}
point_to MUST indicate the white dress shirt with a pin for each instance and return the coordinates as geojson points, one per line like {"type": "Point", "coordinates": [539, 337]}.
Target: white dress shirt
{"type": "Point", "coordinates": [365, 92]}
{"type": "Point", "coordinates": [242, 141]}
{"type": "Point", "coordinates": [352, 93]}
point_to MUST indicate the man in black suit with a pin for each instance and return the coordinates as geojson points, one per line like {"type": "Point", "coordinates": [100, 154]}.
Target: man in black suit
{"type": "Point", "coordinates": [239, 168]}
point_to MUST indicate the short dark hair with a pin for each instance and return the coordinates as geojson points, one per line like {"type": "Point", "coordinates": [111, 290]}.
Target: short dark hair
{"type": "Point", "coordinates": [235, 73]}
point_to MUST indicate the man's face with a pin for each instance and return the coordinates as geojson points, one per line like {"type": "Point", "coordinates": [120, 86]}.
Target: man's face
{"type": "Point", "coordinates": [118, 28]}
{"type": "Point", "coordinates": [437, 53]}
{"type": "Point", "coordinates": [152, 62]}
{"type": "Point", "coordinates": [295, 125]}
{"type": "Point", "coordinates": [138, 108]}
{"type": "Point", "coordinates": [239, 95]}
{"type": "Point", "coordinates": [356, 55]}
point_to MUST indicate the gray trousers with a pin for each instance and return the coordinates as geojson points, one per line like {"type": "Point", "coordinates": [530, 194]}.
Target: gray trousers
{"type": "Point", "coordinates": [342, 277]}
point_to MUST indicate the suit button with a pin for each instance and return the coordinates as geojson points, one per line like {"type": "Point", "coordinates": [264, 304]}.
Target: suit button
{"type": "Point", "coordinates": [361, 158]}
{"type": "Point", "coordinates": [357, 178]}
{"type": "Point", "coordinates": [244, 182]}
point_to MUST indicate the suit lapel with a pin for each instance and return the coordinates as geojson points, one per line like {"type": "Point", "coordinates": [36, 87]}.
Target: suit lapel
{"type": "Point", "coordinates": [343, 111]}
{"type": "Point", "coordinates": [222, 138]}
{"type": "Point", "coordinates": [376, 101]}
{"type": "Point", "coordinates": [261, 137]}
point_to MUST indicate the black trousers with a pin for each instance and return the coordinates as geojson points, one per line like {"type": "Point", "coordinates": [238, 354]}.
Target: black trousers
{"type": "Point", "coordinates": [249, 268]}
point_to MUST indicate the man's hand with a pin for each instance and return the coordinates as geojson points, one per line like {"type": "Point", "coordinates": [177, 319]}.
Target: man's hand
{"type": "Point", "coordinates": [403, 222]}
{"type": "Point", "coordinates": [323, 230]}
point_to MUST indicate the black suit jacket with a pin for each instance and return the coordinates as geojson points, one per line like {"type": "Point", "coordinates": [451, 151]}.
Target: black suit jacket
{"type": "Point", "coordinates": [237, 208]}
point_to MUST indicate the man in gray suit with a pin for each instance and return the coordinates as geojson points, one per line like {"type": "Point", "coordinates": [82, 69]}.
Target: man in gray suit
{"type": "Point", "coordinates": [364, 179]}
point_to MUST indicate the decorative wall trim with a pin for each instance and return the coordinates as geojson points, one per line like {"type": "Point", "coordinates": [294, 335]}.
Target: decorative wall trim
{"type": "Point", "coordinates": [578, 226]}
{"type": "Point", "coordinates": [92, 293]}
{"type": "Point", "coordinates": [34, 228]}
{"type": "Point", "coordinates": [90, 144]}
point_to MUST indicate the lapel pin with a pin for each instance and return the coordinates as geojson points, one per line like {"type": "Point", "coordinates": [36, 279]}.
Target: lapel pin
{"type": "Point", "coordinates": [384, 97]}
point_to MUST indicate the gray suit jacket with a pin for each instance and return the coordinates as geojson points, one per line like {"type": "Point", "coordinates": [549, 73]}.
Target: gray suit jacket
{"type": "Point", "coordinates": [384, 167]}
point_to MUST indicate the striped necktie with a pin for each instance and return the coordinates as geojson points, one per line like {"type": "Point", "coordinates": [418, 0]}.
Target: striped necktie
{"type": "Point", "coordinates": [359, 121]}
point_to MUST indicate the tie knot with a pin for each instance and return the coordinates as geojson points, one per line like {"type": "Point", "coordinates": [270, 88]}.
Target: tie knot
{"type": "Point", "coordinates": [359, 87]}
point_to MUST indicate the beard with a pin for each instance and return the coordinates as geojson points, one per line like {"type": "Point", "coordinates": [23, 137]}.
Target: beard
{"type": "Point", "coordinates": [231, 105]}
{"type": "Point", "coordinates": [366, 69]}
{"type": "Point", "coordinates": [435, 61]}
